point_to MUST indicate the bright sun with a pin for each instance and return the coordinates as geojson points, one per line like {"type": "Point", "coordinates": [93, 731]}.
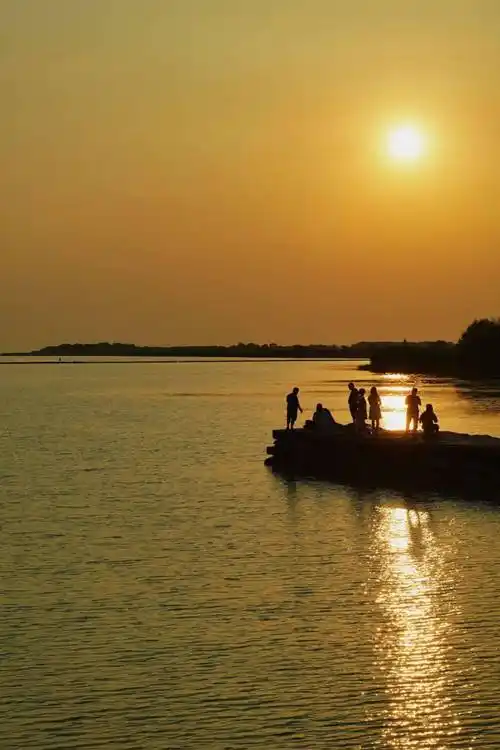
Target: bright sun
{"type": "Point", "coordinates": [405, 143]}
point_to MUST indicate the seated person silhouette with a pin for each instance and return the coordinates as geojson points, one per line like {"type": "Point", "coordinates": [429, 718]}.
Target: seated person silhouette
{"type": "Point", "coordinates": [429, 421]}
{"type": "Point", "coordinates": [322, 419]}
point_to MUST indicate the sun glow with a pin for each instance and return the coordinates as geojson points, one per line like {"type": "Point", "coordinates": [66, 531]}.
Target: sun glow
{"type": "Point", "coordinates": [393, 397]}
{"type": "Point", "coordinates": [394, 410]}
{"type": "Point", "coordinates": [405, 144]}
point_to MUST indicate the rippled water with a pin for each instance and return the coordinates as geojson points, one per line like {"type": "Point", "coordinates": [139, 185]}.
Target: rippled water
{"type": "Point", "coordinates": [161, 589]}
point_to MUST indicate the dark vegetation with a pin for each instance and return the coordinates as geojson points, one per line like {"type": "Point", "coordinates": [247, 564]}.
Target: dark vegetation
{"type": "Point", "coordinates": [475, 355]}
{"type": "Point", "coordinates": [297, 351]}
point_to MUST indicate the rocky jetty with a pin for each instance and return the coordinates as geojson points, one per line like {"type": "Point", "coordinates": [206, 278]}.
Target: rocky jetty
{"type": "Point", "coordinates": [389, 458]}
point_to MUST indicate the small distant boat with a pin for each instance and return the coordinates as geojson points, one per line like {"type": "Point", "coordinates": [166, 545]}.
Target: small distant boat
{"type": "Point", "coordinates": [388, 458]}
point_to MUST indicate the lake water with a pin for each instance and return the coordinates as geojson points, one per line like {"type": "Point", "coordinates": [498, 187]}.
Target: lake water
{"type": "Point", "coordinates": [162, 590]}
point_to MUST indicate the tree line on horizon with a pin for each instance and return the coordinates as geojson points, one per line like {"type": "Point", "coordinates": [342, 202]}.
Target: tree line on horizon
{"type": "Point", "coordinates": [362, 349]}
{"type": "Point", "coordinates": [476, 354]}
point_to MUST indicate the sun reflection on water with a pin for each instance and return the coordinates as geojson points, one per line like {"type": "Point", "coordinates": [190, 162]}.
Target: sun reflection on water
{"type": "Point", "coordinates": [393, 392]}
{"type": "Point", "coordinates": [396, 376]}
{"type": "Point", "coordinates": [413, 642]}
{"type": "Point", "coordinates": [393, 409]}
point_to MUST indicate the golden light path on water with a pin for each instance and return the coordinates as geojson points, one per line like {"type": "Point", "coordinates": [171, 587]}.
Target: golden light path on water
{"type": "Point", "coordinates": [393, 402]}
{"type": "Point", "coordinates": [417, 607]}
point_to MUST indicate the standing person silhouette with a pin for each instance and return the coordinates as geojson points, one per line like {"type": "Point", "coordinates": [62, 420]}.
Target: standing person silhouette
{"type": "Point", "coordinates": [375, 411]}
{"type": "Point", "coordinates": [352, 401]}
{"type": "Point", "coordinates": [292, 408]}
{"type": "Point", "coordinates": [413, 404]}
{"type": "Point", "coordinates": [361, 411]}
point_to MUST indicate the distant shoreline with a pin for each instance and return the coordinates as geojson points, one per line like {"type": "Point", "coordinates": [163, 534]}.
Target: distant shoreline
{"type": "Point", "coordinates": [476, 356]}
{"type": "Point", "coordinates": [166, 360]}
{"type": "Point", "coordinates": [239, 351]}
{"type": "Point", "coordinates": [360, 350]}
{"type": "Point", "coordinates": [449, 361]}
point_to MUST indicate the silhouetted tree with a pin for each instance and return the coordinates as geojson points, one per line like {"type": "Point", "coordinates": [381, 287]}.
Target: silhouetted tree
{"type": "Point", "coordinates": [479, 347]}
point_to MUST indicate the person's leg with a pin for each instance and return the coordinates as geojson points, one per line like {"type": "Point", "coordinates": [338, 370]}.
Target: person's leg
{"type": "Point", "coordinates": [415, 423]}
{"type": "Point", "coordinates": [408, 421]}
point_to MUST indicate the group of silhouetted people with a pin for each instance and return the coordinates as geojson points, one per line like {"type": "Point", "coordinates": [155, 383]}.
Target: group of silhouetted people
{"type": "Point", "coordinates": [322, 417]}
{"type": "Point", "coordinates": [363, 409]}
{"type": "Point", "coordinates": [427, 418]}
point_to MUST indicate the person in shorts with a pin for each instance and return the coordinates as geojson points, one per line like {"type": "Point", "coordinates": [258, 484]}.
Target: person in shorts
{"type": "Point", "coordinates": [292, 408]}
{"type": "Point", "coordinates": [413, 404]}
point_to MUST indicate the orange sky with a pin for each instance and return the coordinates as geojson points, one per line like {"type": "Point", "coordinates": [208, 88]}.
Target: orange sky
{"type": "Point", "coordinates": [210, 171]}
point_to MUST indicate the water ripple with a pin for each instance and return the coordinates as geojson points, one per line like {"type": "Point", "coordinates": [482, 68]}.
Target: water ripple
{"type": "Point", "coordinates": [161, 590]}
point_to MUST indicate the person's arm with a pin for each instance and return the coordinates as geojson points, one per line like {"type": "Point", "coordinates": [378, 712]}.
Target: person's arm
{"type": "Point", "coordinates": [300, 408]}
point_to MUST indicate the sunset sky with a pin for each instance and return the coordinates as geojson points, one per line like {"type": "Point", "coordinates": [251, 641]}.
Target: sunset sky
{"type": "Point", "coordinates": [214, 171]}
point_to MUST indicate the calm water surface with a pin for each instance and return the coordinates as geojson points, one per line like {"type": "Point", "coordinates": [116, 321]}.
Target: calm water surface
{"type": "Point", "coordinates": [162, 590]}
